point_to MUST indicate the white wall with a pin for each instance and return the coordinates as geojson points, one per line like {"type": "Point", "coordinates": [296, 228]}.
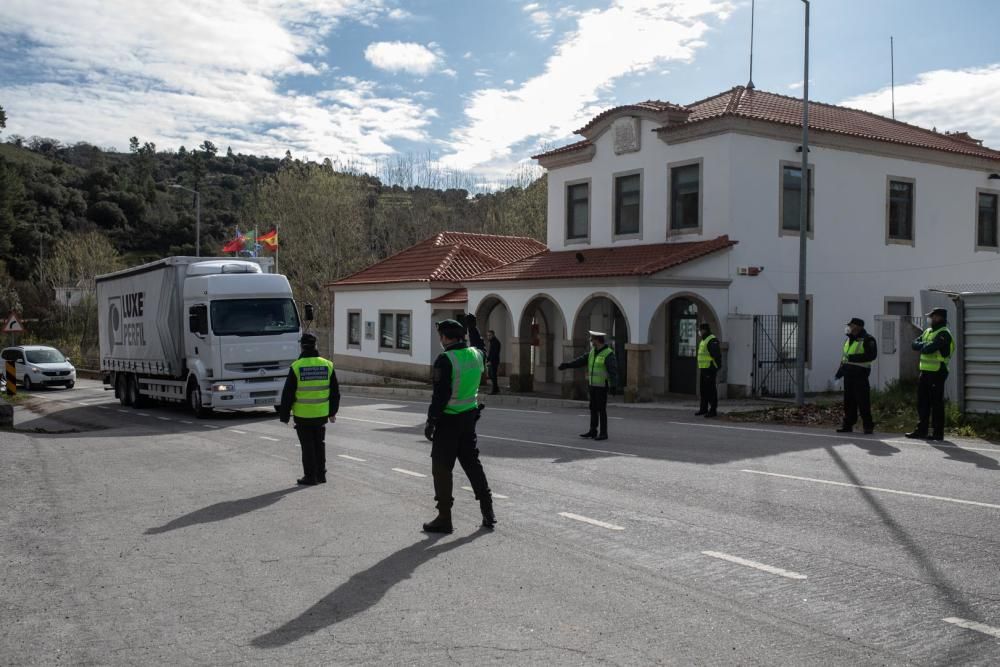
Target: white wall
{"type": "Point", "coordinates": [370, 303]}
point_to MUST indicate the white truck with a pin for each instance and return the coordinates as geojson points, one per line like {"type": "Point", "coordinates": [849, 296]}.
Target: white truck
{"type": "Point", "coordinates": [211, 332]}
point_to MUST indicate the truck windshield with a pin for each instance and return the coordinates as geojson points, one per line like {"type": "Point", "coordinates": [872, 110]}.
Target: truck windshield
{"type": "Point", "coordinates": [254, 317]}
{"type": "Point", "coordinates": [44, 356]}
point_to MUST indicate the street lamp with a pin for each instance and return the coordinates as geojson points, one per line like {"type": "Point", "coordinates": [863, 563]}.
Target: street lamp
{"type": "Point", "coordinates": [803, 321]}
{"type": "Point", "coordinates": [197, 218]}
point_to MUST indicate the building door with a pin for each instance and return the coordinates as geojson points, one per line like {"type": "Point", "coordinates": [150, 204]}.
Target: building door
{"type": "Point", "coordinates": [683, 346]}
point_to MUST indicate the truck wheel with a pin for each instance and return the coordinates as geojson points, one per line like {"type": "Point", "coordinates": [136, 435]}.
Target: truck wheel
{"type": "Point", "coordinates": [137, 401]}
{"type": "Point", "coordinates": [121, 388]}
{"type": "Point", "coordinates": [194, 402]}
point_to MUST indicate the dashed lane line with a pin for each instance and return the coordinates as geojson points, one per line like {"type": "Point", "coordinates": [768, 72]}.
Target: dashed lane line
{"type": "Point", "coordinates": [165, 419]}
{"type": "Point", "coordinates": [125, 412]}
{"type": "Point", "coordinates": [973, 625]}
{"type": "Point", "coordinates": [267, 437]}
{"type": "Point", "coordinates": [876, 488]}
{"type": "Point", "coordinates": [210, 426]}
{"type": "Point", "coordinates": [495, 495]}
{"type": "Point", "coordinates": [497, 437]}
{"type": "Point", "coordinates": [490, 408]}
{"type": "Point", "coordinates": [788, 574]}
{"type": "Point", "coordinates": [187, 422]}
{"type": "Point", "coordinates": [142, 414]}
{"type": "Point", "coordinates": [404, 471]}
{"type": "Point", "coordinates": [352, 458]}
{"type": "Point", "coordinates": [101, 407]}
{"type": "Point", "coordinates": [233, 430]}
{"type": "Point", "coordinates": [593, 522]}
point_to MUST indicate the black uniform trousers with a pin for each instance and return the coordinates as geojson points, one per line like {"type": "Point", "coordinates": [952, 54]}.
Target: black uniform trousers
{"type": "Point", "coordinates": [857, 399]}
{"type": "Point", "coordinates": [493, 368]}
{"type": "Point", "coordinates": [709, 389]}
{"type": "Point", "coordinates": [599, 410]}
{"type": "Point", "coordinates": [930, 401]}
{"type": "Point", "coordinates": [312, 438]}
{"type": "Point", "coordinates": [455, 438]}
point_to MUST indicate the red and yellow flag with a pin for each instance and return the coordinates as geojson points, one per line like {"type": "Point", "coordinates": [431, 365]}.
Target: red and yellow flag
{"type": "Point", "coordinates": [270, 239]}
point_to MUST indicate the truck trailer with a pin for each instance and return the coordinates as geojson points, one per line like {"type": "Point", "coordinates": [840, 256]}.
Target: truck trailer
{"type": "Point", "coordinates": [210, 332]}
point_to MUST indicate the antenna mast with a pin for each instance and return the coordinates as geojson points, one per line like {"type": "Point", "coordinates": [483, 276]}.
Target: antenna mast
{"type": "Point", "coordinates": [750, 85]}
{"type": "Point", "coordinates": [892, 75]}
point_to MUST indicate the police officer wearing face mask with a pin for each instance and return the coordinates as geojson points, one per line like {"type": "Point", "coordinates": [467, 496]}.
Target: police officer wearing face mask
{"type": "Point", "coordinates": [451, 425]}
{"type": "Point", "coordinates": [936, 346]}
{"type": "Point", "coordinates": [860, 350]}
{"type": "Point", "coordinates": [602, 379]}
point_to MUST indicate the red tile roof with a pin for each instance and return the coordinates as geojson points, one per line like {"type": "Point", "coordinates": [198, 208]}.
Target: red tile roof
{"type": "Point", "coordinates": [446, 257]}
{"type": "Point", "coordinates": [460, 295]}
{"type": "Point", "coordinates": [633, 260]}
{"type": "Point", "coordinates": [761, 105]}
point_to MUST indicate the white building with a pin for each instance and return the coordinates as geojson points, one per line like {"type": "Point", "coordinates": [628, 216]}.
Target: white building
{"type": "Point", "coordinates": [663, 216]}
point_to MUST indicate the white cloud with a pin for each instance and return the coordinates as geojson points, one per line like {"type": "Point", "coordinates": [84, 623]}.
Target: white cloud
{"type": "Point", "coordinates": [966, 100]}
{"type": "Point", "coordinates": [180, 72]}
{"type": "Point", "coordinates": [629, 37]}
{"type": "Point", "coordinates": [403, 57]}
{"type": "Point", "coordinates": [399, 14]}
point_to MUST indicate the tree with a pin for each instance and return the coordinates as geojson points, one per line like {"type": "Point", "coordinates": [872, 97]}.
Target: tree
{"type": "Point", "coordinates": [79, 258]}
{"type": "Point", "coordinates": [3, 118]}
{"type": "Point", "coordinates": [209, 148]}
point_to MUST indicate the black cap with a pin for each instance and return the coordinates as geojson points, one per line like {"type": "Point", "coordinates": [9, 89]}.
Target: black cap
{"type": "Point", "coordinates": [451, 328]}
{"type": "Point", "coordinates": [857, 320]}
{"type": "Point", "coordinates": [943, 312]}
{"type": "Point", "coordinates": [307, 340]}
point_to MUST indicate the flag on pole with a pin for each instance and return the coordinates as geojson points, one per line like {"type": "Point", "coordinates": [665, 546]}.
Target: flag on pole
{"type": "Point", "coordinates": [269, 240]}
{"type": "Point", "coordinates": [237, 244]}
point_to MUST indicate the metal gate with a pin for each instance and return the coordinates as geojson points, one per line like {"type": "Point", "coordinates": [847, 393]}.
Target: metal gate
{"type": "Point", "coordinates": [979, 338]}
{"type": "Point", "coordinates": [774, 342]}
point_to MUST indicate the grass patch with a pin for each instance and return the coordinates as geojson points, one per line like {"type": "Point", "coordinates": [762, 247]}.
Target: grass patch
{"type": "Point", "coordinates": [893, 408]}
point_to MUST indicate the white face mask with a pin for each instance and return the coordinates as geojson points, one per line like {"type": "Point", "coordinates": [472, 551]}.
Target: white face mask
{"type": "Point", "coordinates": [847, 331]}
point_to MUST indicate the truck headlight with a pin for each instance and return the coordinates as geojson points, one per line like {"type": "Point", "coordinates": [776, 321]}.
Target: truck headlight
{"type": "Point", "coordinates": [221, 387]}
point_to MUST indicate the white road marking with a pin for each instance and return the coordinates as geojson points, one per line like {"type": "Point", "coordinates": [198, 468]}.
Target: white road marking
{"type": "Point", "coordinates": [495, 495]}
{"type": "Point", "coordinates": [594, 522]}
{"type": "Point", "coordinates": [165, 419]}
{"type": "Point", "coordinates": [124, 412]}
{"type": "Point", "coordinates": [380, 406]}
{"type": "Point", "coordinates": [186, 422]}
{"type": "Point", "coordinates": [937, 445]}
{"type": "Point", "coordinates": [352, 458]}
{"type": "Point", "coordinates": [754, 564]}
{"type": "Point", "coordinates": [876, 488]}
{"type": "Point", "coordinates": [359, 398]}
{"type": "Point", "coordinates": [210, 426]}
{"type": "Point", "coordinates": [408, 472]}
{"type": "Point", "coordinates": [496, 437]}
{"type": "Point", "coordinates": [763, 430]}
{"type": "Point", "coordinates": [973, 625]}
{"type": "Point", "coordinates": [101, 407]}
{"type": "Point", "coordinates": [536, 412]}
{"type": "Point", "coordinates": [142, 414]}
{"type": "Point", "coordinates": [233, 430]}
{"type": "Point", "coordinates": [283, 458]}
{"type": "Point", "coordinates": [266, 437]}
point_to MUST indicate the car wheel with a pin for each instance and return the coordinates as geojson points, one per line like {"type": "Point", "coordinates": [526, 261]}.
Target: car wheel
{"type": "Point", "coordinates": [194, 402]}
{"type": "Point", "coordinates": [70, 385]}
{"type": "Point", "coordinates": [27, 383]}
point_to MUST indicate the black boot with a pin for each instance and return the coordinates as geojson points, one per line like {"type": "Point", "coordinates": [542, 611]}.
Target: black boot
{"type": "Point", "coordinates": [489, 518]}
{"type": "Point", "coordinates": [442, 494]}
{"type": "Point", "coordinates": [917, 434]}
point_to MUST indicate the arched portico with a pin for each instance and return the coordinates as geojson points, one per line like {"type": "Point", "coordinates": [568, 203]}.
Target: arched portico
{"type": "Point", "coordinates": [494, 314]}
{"type": "Point", "coordinates": [673, 338]}
{"type": "Point", "coordinates": [599, 312]}
{"type": "Point", "coordinates": [540, 332]}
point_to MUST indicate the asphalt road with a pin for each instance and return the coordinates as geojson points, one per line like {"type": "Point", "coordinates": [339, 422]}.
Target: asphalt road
{"type": "Point", "coordinates": [151, 537]}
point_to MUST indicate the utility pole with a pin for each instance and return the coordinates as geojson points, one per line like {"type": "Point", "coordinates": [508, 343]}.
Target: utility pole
{"type": "Point", "coordinates": [802, 305]}
{"type": "Point", "coordinates": [197, 217]}
{"type": "Point", "coordinates": [753, 4]}
{"type": "Point", "coordinates": [892, 75]}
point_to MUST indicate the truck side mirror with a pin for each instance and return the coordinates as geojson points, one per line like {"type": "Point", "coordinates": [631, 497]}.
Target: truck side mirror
{"type": "Point", "coordinates": [198, 320]}
{"type": "Point", "coordinates": [310, 312]}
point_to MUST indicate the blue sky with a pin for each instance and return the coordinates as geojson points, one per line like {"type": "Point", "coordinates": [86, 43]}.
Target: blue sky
{"type": "Point", "coordinates": [478, 84]}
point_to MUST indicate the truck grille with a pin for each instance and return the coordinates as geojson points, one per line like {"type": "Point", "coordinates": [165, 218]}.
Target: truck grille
{"type": "Point", "coordinates": [258, 365]}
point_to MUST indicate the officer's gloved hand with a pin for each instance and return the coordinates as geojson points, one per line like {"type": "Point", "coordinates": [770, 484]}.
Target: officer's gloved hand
{"type": "Point", "coordinates": [562, 367]}
{"type": "Point", "coordinates": [918, 345]}
{"type": "Point", "coordinates": [429, 429]}
{"type": "Point", "coordinates": [479, 410]}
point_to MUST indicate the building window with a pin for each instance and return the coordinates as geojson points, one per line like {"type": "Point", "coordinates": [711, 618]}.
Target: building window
{"type": "Point", "coordinates": [789, 312]}
{"type": "Point", "coordinates": [791, 198]}
{"type": "Point", "coordinates": [986, 229]}
{"type": "Point", "coordinates": [394, 331]}
{"type": "Point", "coordinates": [354, 328]}
{"type": "Point", "coordinates": [685, 197]}
{"type": "Point", "coordinates": [900, 210]}
{"type": "Point", "coordinates": [577, 211]}
{"type": "Point", "coordinates": [627, 204]}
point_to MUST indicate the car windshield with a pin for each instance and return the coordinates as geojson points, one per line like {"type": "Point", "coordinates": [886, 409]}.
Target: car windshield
{"type": "Point", "coordinates": [254, 317]}
{"type": "Point", "coordinates": [46, 356]}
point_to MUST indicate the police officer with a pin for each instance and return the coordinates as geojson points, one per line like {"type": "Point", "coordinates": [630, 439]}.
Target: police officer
{"type": "Point", "coordinates": [312, 396]}
{"type": "Point", "coordinates": [451, 425]}
{"type": "Point", "coordinates": [936, 346]}
{"type": "Point", "coordinates": [709, 362]}
{"type": "Point", "coordinates": [860, 350]}
{"type": "Point", "coordinates": [602, 379]}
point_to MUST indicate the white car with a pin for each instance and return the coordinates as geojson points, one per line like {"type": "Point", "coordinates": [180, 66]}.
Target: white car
{"type": "Point", "coordinates": [40, 366]}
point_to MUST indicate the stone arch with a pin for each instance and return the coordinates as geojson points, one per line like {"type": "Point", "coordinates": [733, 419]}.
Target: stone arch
{"type": "Point", "coordinates": [493, 312]}
{"type": "Point", "coordinates": [672, 336]}
{"type": "Point", "coordinates": [614, 321]}
{"type": "Point", "coordinates": [541, 331]}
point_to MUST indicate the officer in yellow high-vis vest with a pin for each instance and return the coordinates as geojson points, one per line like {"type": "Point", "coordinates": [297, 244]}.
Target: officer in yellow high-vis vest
{"type": "Point", "coordinates": [602, 379]}
{"type": "Point", "coordinates": [937, 347]}
{"type": "Point", "coordinates": [709, 362]}
{"type": "Point", "coordinates": [860, 350]}
{"type": "Point", "coordinates": [312, 397]}
{"type": "Point", "coordinates": [451, 425]}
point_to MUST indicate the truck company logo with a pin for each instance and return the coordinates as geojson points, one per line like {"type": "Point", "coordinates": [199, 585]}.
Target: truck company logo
{"type": "Point", "coordinates": [122, 309]}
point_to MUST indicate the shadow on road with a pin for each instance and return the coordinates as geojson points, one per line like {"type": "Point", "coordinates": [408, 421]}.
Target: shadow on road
{"type": "Point", "coordinates": [224, 510]}
{"type": "Point", "coordinates": [361, 591]}
{"type": "Point", "coordinates": [877, 447]}
{"type": "Point", "coordinates": [956, 453]}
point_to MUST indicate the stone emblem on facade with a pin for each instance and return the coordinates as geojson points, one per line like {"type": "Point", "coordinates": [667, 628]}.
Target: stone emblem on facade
{"type": "Point", "coordinates": [626, 134]}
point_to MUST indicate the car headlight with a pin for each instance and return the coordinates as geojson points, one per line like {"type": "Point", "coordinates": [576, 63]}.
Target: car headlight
{"type": "Point", "coordinates": [36, 370]}
{"type": "Point", "coordinates": [221, 387]}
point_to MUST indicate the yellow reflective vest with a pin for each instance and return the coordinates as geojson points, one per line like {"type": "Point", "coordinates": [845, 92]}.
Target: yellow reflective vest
{"type": "Point", "coordinates": [312, 388]}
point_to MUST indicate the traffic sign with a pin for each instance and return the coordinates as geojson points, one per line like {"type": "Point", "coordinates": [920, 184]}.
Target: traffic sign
{"type": "Point", "coordinates": [13, 324]}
